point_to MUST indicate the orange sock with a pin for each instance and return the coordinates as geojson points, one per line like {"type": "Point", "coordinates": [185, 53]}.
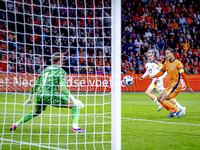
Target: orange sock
{"type": "Point", "coordinates": [170, 110]}
{"type": "Point", "coordinates": [170, 106]}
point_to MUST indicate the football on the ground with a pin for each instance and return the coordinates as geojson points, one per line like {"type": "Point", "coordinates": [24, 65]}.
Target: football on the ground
{"type": "Point", "coordinates": [128, 80]}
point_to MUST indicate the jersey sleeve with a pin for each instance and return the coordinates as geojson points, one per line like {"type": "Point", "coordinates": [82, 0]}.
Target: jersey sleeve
{"type": "Point", "coordinates": [163, 76]}
{"type": "Point", "coordinates": [179, 66]}
{"type": "Point", "coordinates": [164, 67]}
{"type": "Point", "coordinates": [63, 76]}
{"type": "Point", "coordinates": [36, 84]}
{"type": "Point", "coordinates": [146, 73]}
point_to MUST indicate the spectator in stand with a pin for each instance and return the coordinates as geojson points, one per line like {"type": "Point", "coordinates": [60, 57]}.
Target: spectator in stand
{"type": "Point", "coordinates": [186, 68]}
{"type": "Point", "coordinates": [140, 69]}
{"type": "Point", "coordinates": [131, 71]}
{"type": "Point", "coordinates": [129, 29]}
{"type": "Point", "coordinates": [138, 43]}
{"type": "Point", "coordinates": [160, 44]}
{"type": "Point", "coordinates": [186, 44]}
{"type": "Point", "coordinates": [80, 57]}
{"type": "Point", "coordinates": [3, 66]}
{"type": "Point", "coordinates": [172, 43]}
{"type": "Point", "coordinates": [140, 9]}
{"type": "Point", "coordinates": [125, 65]}
{"type": "Point", "coordinates": [138, 61]}
{"type": "Point", "coordinates": [130, 47]}
{"type": "Point", "coordinates": [194, 70]}
{"type": "Point", "coordinates": [189, 19]}
{"type": "Point", "coordinates": [174, 25]}
{"type": "Point", "coordinates": [155, 50]}
{"type": "Point", "coordinates": [182, 20]}
{"type": "Point", "coordinates": [107, 70]}
{"type": "Point", "coordinates": [148, 34]}
{"type": "Point", "coordinates": [124, 56]}
{"type": "Point", "coordinates": [155, 25]}
{"type": "Point", "coordinates": [198, 68]}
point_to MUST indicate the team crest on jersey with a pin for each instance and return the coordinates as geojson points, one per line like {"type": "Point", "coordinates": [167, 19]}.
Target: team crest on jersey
{"type": "Point", "coordinates": [172, 66]}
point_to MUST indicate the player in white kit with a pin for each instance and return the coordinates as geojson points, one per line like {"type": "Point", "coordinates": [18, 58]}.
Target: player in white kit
{"type": "Point", "coordinates": [153, 67]}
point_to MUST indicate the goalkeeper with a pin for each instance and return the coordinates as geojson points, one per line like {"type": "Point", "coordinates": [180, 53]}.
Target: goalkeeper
{"type": "Point", "coordinates": [47, 94]}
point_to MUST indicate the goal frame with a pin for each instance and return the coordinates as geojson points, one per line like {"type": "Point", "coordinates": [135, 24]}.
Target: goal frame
{"type": "Point", "coordinates": [116, 76]}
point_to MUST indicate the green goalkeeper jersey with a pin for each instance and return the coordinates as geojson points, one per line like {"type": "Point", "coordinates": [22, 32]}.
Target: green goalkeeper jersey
{"type": "Point", "coordinates": [49, 79]}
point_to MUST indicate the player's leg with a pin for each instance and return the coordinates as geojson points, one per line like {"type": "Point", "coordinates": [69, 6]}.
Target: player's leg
{"type": "Point", "coordinates": [167, 94]}
{"type": "Point", "coordinates": [169, 109]}
{"type": "Point", "coordinates": [152, 96]}
{"type": "Point", "coordinates": [75, 113]}
{"type": "Point", "coordinates": [38, 109]}
{"type": "Point", "coordinates": [173, 101]}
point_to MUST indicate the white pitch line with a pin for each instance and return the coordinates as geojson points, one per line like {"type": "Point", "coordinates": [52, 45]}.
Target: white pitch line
{"type": "Point", "coordinates": [33, 144]}
{"type": "Point", "coordinates": [136, 120]}
{"type": "Point", "coordinates": [161, 121]}
{"type": "Point", "coordinates": [154, 103]}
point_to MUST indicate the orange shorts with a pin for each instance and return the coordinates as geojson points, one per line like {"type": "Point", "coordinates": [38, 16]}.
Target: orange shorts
{"type": "Point", "coordinates": [173, 90]}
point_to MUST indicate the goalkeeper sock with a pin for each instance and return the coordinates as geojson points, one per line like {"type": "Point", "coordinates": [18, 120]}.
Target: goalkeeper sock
{"type": "Point", "coordinates": [75, 116]}
{"type": "Point", "coordinates": [156, 101]}
{"type": "Point", "coordinates": [26, 118]}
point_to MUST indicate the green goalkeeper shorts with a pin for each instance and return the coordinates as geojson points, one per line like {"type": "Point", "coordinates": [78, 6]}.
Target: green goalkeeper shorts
{"type": "Point", "coordinates": [44, 101]}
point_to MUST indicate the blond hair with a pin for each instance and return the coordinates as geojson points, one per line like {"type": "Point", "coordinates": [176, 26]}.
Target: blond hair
{"type": "Point", "coordinates": [56, 57]}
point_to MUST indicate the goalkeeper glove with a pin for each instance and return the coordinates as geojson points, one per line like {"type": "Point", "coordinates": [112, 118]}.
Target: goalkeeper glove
{"type": "Point", "coordinates": [78, 103]}
{"type": "Point", "coordinates": [29, 100]}
{"type": "Point", "coordinates": [71, 98]}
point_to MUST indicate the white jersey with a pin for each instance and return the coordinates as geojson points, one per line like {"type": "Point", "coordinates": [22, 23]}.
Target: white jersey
{"type": "Point", "coordinates": [152, 69]}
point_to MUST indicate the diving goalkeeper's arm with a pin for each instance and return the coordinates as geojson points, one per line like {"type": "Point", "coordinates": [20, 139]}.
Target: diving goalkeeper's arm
{"type": "Point", "coordinates": [31, 95]}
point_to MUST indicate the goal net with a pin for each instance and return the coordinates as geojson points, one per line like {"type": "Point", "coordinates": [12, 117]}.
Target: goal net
{"type": "Point", "coordinates": [31, 31]}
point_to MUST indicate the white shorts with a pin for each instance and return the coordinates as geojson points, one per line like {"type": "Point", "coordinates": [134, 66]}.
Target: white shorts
{"type": "Point", "coordinates": [157, 86]}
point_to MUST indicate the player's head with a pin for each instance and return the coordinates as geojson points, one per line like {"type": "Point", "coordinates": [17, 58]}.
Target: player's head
{"type": "Point", "coordinates": [170, 54]}
{"type": "Point", "coordinates": [150, 56]}
{"type": "Point", "coordinates": [57, 59]}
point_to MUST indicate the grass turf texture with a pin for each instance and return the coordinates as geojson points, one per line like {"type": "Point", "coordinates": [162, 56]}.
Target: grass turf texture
{"type": "Point", "coordinates": [142, 126]}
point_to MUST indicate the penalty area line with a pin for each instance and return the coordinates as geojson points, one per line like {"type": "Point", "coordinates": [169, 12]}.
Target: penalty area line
{"type": "Point", "coordinates": [145, 120]}
{"type": "Point", "coordinates": [32, 144]}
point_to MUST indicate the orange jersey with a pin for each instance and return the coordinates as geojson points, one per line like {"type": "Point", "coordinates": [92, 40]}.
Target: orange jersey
{"type": "Point", "coordinates": [172, 69]}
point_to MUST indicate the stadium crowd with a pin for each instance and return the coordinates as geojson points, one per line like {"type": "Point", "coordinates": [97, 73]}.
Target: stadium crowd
{"type": "Point", "coordinates": [34, 31]}
{"type": "Point", "coordinates": [156, 25]}
{"type": "Point", "coordinates": [82, 30]}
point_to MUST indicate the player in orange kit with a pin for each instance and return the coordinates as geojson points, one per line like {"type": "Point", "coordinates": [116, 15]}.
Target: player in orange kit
{"type": "Point", "coordinates": [175, 70]}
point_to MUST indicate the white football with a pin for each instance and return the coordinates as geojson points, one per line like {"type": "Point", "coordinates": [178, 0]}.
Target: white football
{"type": "Point", "coordinates": [128, 80]}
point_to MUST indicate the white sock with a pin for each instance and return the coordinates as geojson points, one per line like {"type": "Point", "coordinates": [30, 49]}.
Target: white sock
{"type": "Point", "coordinates": [75, 125]}
{"type": "Point", "coordinates": [17, 124]}
{"type": "Point", "coordinates": [178, 105]}
{"type": "Point", "coordinates": [156, 101]}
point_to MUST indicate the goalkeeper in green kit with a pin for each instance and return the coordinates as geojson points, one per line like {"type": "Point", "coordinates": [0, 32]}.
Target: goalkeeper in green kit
{"type": "Point", "coordinates": [47, 94]}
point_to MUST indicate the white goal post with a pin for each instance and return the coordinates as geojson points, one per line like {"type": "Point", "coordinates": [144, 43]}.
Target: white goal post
{"type": "Point", "coordinates": [116, 76]}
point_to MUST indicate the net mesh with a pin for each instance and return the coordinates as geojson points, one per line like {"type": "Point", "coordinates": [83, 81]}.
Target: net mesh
{"type": "Point", "coordinates": [30, 32]}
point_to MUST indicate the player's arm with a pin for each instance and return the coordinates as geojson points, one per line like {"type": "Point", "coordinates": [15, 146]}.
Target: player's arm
{"type": "Point", "coordinates": [144, 75]}
{"type": "Point", "coordinates": [36, 84]}
{"type": "Point", "coordinates": [181, 71]}
{"type": "Point", "coordinates": [162, 71]}
{"type": "Point", "coordinates": [32, 92]}
{"type": "Point", "coordinates": [163, 76]}
{"type": "Point", "coordinates": [159, 67]}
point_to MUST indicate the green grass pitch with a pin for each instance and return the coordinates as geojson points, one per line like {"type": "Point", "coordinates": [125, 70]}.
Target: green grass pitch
{"type": "Point", "coordinates": [142, 126]}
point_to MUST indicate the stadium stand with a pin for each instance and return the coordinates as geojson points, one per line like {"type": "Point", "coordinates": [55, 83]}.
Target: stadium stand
{"type": "Point", "coordinates": [146, 24]}
{"type": "Point", "coordinates": [157, 25]}
{"type": "Point", "coordinates": [47, 30]}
